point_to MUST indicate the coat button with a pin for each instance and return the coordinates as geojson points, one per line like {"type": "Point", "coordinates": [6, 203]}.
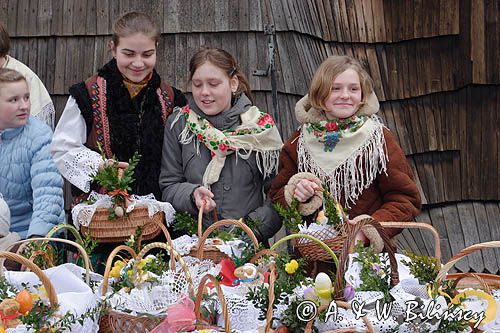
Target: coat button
{"type": "Point", "coordinates": [227, 187]}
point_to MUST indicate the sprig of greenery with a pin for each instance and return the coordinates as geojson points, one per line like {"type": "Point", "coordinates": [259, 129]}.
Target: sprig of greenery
{"type": "Point", "coordinates": [108, 176]}
{"type": "Point", "coordinates": [291, 215]}
{"type": "Point", "coordinates": [133, 241]}
{"type": "Point", "coordinates": [334, 219]}
{"type": "Point", "coordinates": [185, 222]}
{"type": "Point", "coordinates": [283, 287]}
{"type": "Point", "coordinates": [424, 268]}
{"type": "Point", "coordinates": [374, 274]}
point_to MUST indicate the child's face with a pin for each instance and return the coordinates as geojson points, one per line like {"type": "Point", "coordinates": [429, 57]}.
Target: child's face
{"type": "Point", "coordinates": [345, 96]}
{"type": "Point", "coordinates": [14, 104]}
{"type": "Point", "coordinates": [135, 56]}
{"type": "Point", "coordinates": [212, 89]}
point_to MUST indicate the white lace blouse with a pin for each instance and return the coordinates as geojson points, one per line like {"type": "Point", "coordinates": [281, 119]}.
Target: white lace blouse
{"type": "Point", "coordinates": [76, 162]}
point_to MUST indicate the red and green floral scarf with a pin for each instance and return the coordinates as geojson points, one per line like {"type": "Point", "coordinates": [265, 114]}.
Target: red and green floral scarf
{"type": "Point", "coordinates": [257, 133]}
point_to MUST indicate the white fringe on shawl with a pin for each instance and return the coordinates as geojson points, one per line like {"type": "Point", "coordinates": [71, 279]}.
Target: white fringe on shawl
{"type": "Point", "coordinates": [356, 173]}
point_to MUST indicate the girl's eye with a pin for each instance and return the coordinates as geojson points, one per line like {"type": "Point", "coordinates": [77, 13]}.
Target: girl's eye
{"type": "Point", "coordinates": [213, 84]}
{"type": "Point", "coordinates": [335, 88]}
{"type": "Point", "coordinates": [355, 88]}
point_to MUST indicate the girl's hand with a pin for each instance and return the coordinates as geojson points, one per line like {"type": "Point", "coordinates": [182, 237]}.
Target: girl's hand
{"type": "Point", "coordinates": [203, 196]}
{"type": "Point", "coordinates": [109, 162]}
{"type": "Point", "coordinates": [304, 190]}
{"type": "Point", "coordinates": [360, 236]}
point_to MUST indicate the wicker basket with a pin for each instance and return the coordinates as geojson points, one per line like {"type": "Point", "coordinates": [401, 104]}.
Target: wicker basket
{"type": "Point", "coordinates": [470, 280]}
{"type": "Point", "coordinates": [122, 322]}
{"type": "Point", "coordinates": [332, 237]}
{"type": "Point", "coordinates": [211, 251]}
{"type": "Point", "coordinates": [119, 230]}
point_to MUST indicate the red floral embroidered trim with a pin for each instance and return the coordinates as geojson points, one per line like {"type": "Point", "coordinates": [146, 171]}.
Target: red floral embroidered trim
{"type": "Point", "coordinates": [166, 104]}
{"type": "Point", "coordinates": [100, 117]}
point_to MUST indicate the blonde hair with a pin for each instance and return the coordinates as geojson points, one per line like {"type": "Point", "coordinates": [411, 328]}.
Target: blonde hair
{"type": "Point", "coordinates": [225, 61]}
{"type": "Point", "coordinates": [132, 23]}
{"type": "Point", "coordinates": [326, 73]}
{"type": "Point", "coordinates": [8, 75]}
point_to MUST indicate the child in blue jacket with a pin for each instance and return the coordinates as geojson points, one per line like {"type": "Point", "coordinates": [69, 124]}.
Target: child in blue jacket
{"type": "Point", "coordinates": [29, 180]}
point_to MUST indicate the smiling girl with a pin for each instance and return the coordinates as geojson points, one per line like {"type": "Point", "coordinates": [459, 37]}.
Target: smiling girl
{"type": "Point", "coordinates": [29, 181]}
{"type": "Point", "coordinates": [221, 151]}
{"type": "Point", "coordinates": [123, 108]}
{"type": "Point", "coordinates": [343, 145]}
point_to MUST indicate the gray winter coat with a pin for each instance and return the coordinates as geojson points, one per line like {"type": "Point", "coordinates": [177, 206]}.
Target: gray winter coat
{"type": "Point", "coordinates": [239, 193]}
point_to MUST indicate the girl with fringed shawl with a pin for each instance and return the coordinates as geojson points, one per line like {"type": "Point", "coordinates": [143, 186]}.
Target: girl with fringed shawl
{"type": "Point", "coordinates": [123, 108]}
{"type": "Point", "coordinates": [221, 151]}
{"type": "Point", "coordinates": [343, 145]}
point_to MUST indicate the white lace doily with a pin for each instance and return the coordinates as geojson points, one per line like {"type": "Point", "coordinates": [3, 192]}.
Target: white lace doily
{"type": "Point", "coordinates": [320, 231]}
{"type": "Point", "coordinates": [354, 269]}
{"type": "Point", "coordinates": [184, 244]}
{"type": "Point", "coordinates": [82, 213]}
{"type": "Point", "coordinates": [151, 299]}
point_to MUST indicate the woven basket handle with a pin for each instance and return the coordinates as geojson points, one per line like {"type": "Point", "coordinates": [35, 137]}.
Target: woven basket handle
{"type": "Point", "coordinates": [200, 219]}
{"type": "Point", "coordinates": [418, 225]}
{"type": "Point", "coordinates": [222, 300]}
{"type": "Point", "coordinates": [49, 288]}
{"type": "Point", "coordinates": [272, 280]}
{"type": "Point", "coordinates": [222, 223]}
{"type": "Point", "coordinates": [312, 238]}
{"type": "Point", "coordinates": [344, 305]}
{"type": "Point", "coordinates": [109, 263]}
{"type": "Point", "coordinates": [465, 252]}
{"type": "Point", "coordinates": [349, 246]}
{"type": "Point", "coordinates": [169, 242]}
{"type": "Point", "coordinates": [174, 254]}
{"type": "Point", "coordinates": [85, 256]}
{"type": "Point", "coordinates": [475, 276]}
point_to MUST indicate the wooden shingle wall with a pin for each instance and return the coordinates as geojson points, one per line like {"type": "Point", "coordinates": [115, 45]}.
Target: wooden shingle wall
{"type": "Point", "coordinates": [435, 63]}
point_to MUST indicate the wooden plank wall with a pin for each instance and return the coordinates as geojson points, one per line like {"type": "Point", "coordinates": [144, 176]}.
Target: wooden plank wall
{"type": "Point", "coordinates": [435, 63]}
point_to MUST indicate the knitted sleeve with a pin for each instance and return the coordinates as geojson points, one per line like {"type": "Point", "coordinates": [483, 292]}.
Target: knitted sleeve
{"type": "Point", "coordinates": [47, 186]}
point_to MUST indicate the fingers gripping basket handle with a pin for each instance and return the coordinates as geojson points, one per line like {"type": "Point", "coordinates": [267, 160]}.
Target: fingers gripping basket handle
{"type": "Point", "coordinates": [221, 223]}
{"type": "Point", "coordinates": [349, 246]}
{"type": "Point", "coordinates": [200, 219]}
{"type": "Point", "coordinates": [51, 292]}
{"type": "Point", "coordinates": [222, 300]}
{"type": "Point", "coordinates": [344, 305]}
{"type": "Point", "coordinates": [174, 254]}
{"type": "Point", "coordinates": [465, 252]}
{"type": "Point", "coordinates": [85, 256]}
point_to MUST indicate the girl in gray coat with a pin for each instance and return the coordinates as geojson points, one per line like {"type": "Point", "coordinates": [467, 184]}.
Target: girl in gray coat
{"type": "Point", "coordinates": [222, 152]}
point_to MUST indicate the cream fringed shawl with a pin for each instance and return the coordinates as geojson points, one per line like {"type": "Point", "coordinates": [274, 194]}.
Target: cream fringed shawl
{"type": "Point", "coordinates": [358, 155]}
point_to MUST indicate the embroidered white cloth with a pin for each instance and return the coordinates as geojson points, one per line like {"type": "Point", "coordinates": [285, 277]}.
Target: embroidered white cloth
{"type": "Point", "coordinates": [82, 213]}
{"type": "Point", "coordinates": [73, 294]}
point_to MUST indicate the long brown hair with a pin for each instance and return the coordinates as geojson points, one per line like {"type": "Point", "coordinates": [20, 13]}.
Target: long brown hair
{"type": "Point", "coordinates": [132, 23]}
{"type": "Point", "coordinates": [4, 41]}
{"type": "Point", "coordinates": [225, 61]}
{"type": "Point", "coordinates": [326, 73]}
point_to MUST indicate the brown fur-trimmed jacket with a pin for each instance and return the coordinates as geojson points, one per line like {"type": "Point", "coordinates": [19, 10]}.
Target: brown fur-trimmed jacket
{"type": "Point", "coordinates": [391, 197]}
